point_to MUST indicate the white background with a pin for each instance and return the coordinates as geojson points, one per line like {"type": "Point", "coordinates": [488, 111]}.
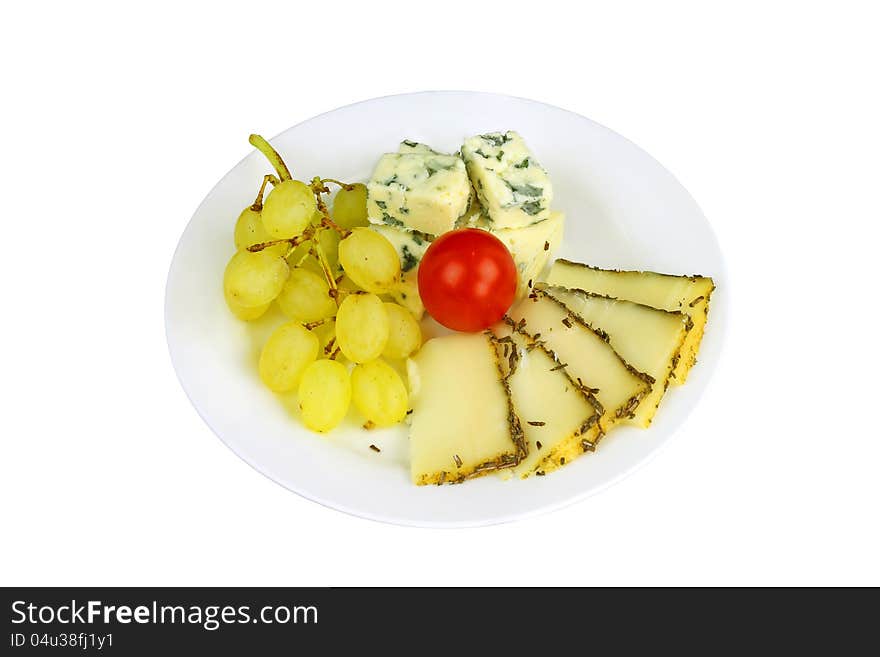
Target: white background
{"type": "Point", "coordinates": [117, 120]}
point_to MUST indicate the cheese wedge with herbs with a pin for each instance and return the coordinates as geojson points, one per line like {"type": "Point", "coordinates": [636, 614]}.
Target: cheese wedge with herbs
{"type": "Point", "coordinates": [589, 359]}
{"type": "Point", "coordinates": [531, 247]}
{"type": "Point", "coordinates": [647, 338]}
{"type": "Point", "coordinates": [512, 187]}
{"type": "Point", "coordinates": [462, 421]}
{"type": "Point", "coordinates": [423, 191]}
{"type": "Point", "coordinates": [686, 294]}
{"type": "Point", "coordinates": [560, 421]}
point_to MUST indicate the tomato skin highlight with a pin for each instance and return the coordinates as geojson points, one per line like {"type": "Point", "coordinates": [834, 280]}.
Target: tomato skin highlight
{"type": "Point", "coordinates": [467, 279]}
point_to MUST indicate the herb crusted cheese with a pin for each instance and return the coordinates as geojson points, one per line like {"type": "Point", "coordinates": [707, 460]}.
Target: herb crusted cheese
{"type": "Point", "coordinates": [687, 294]}
{"type": "Point", "coordinates": [461, 426]}
{"type": "Point", "coordinates": [512, 187]}
{"type": "Point", "coordinates": [418, 190]}
{"type": "Point", "coordinates": [648, 338]}
{"type": "Point", "coordinates": [560, 421]}
{"type": "Point", "coordinates": [591, 361]}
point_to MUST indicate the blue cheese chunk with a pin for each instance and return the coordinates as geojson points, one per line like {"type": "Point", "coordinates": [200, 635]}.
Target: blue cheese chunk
{"type": "Point", "coordinates": [410, 146]}
{"type": "Point", "coordinates": [410, 245]}
{"type": "Point", "coordinates": [421, 191]}
{"type": "Point", "coordinates": [406, 293]}
{"type": "Point", "coordinates": [512, 187]}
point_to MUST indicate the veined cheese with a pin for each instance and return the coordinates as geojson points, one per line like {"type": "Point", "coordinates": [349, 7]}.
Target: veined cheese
{"type": "Point", "coordinates": [422, 191]}
{"type": "Point", "coordinates": [473, 209]}
{"type": "Point", "coordinates": [560, 421]}
{"type": "Point", "coordinates": [648, 338]}
{"type": "Point", "coordinates": [406, 293]}
{"type": "Point", "coordinates": [512, 187]}
{"type": "Point", "coordinates": [687, 294]}
{"type": "Point", "coordinates": [462, 422]}
{"type": "Point", "coordinates": [531, 247]}
{"type": "Point", "coordinates": [410, 146]}
{"type": "Point", "coordinates": [410, 245]}
{"type": "Point", "coordinates": [588, 358]}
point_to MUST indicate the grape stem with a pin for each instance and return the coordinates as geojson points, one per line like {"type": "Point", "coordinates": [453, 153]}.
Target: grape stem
{"type": "Point", "coordinates": [292, 241]}
{"type": "Point", "coordinates": [319, 188]}
{"type": "Point", "coordinates": [272, 155]}
{"type": "Point", "coordinates": [325, 267]}
{"type": "Point", "coordinates": [258, 202]}
{"type": "Point", "coordinates": [346, 186]}
{"type": "Point", "coordinates": [326, 221]}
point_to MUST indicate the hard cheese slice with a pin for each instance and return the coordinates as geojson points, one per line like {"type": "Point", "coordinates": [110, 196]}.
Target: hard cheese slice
{"type": "Point", "coordinates": [686, 294]}
{"type": "Point", "coordinates": [560, 421]}
{"type": "Point", "coordinates": [463, 424]}
{"type": "Point", "coordinates": [648, 338]}
{"type": "Point", "coordinates": [589, 360]}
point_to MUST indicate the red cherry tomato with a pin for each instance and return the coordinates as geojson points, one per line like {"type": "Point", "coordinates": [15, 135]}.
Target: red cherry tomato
{"type": "Point", "coordinates": [467, 279]}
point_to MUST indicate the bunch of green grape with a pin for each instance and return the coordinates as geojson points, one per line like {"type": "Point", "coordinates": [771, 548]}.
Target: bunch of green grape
{"type": "Point", "coordinates": [329, 275]}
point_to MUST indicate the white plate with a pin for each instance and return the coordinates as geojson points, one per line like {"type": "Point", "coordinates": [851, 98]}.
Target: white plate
{"type": "Point", "coordinates": [624, 210]}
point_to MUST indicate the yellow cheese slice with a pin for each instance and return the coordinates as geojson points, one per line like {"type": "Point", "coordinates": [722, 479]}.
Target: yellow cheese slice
{"type": "Point", "coordinates": [462, 422]}
{"type": "Point", "coordinates": [648, 338]}
{"type": "Point", "coordinates": [560, 420]}
{"type": "Point", "coordinates": [589, 359]}
{"type": "Point", "coordinates": [686, 294]}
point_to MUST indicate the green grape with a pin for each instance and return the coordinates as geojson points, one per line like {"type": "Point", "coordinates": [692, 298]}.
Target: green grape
{"type": "Point", "coordinates": [286, 354]}
{"type": "Point", "coordinates": [324, 394]}
{"type": "Point", "coordinates": [404, 334]}
{"type": "Point", "coordinates": [361, 327]}
{"type": "Point", "coordinates": [350, 207]}
{"type": "Point", "coordinates": [378, 393]}
{"type": "Point", "coordinates": [288, 209]}
{"type": "Point", "coordinates": [370, 260]}
{"type": "Point", "coordinates": [254, 279]}
{"type": "Point", "coordinates": [243, 312]}
{"type": "Point", "coordinates": [249, 230]}
{"type": "Point", "coordinates": [306, 296]}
